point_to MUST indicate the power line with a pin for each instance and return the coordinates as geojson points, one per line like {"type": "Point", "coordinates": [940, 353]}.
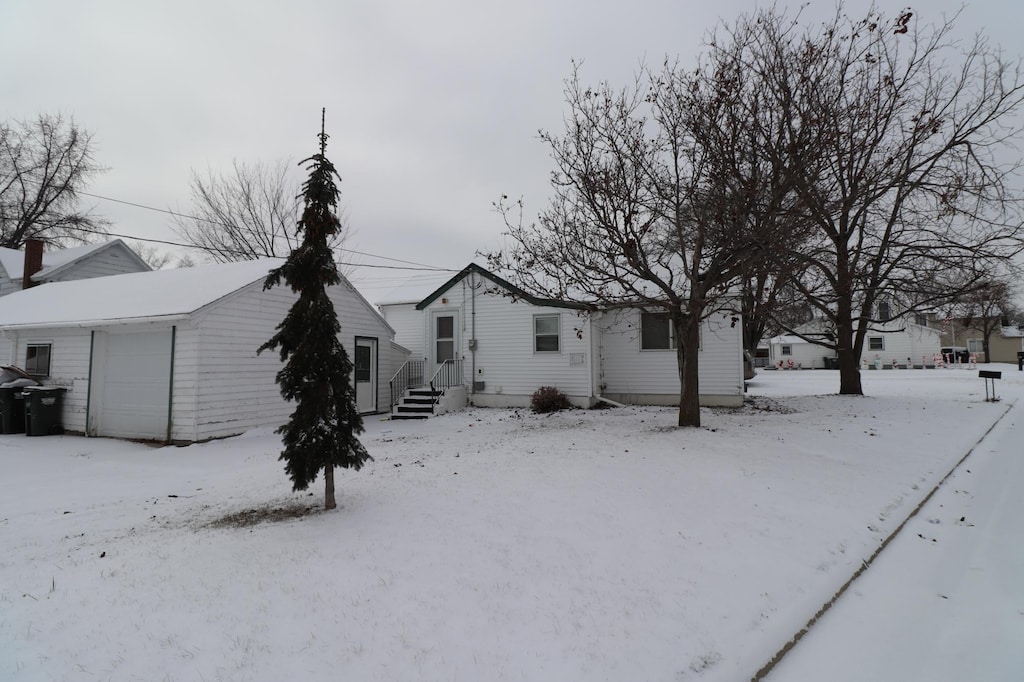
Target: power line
{"type": "Point", "coordinates": [419, 266]}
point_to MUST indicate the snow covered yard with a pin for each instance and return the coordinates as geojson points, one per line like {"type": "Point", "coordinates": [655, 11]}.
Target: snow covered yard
{"type": "Point", "coordinates": [481, 545]}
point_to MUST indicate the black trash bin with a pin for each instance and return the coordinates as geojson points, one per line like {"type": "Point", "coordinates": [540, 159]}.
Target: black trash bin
{"type": "Point", "coordinates": [43, 407]}
{"type": "Point", "coordinates": [12, 410]}
{"type": "Point", "coordinates": [1020, 361]}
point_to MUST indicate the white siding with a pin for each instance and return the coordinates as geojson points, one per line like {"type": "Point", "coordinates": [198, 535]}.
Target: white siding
{"type": "Point", "coordinates": [110, 261]}
{"type": "Point", "coordinates": [629, 374]}
{"type": "Point", "coordinates": [69, 368]}
{"type": "Point", "coordinates": [911, 343]}
{"type": "Point", "coordinates": [8, 285]}
{"type": "Point", "coordinates": [408, 324]}
{"type": "Point", "coordinates": [237, 390]}
{"type": "Point", "coordinates": [805, 355]}
{"type": "Point", "coordinates": [505, 359]}
{"type": "Point", "coordinates": [7, 356]}
{"type": "Point", "coordinates": [392, 357]}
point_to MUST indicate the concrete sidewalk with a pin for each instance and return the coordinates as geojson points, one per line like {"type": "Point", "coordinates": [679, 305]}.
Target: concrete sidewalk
{"type": "Point", "coordinates": [945, 600]}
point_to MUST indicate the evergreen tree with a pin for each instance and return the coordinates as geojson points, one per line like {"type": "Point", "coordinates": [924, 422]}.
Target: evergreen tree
{"type": "Point", "coordinates": [321, 433]}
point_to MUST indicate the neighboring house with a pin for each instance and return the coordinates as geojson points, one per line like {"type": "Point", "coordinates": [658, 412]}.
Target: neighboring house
{"type": "Point", "coordinates": [791, 351]}
{"type": "Point", "coordinates": [1004, 343]}
{"type": "Point", "coordinates": [501, 344]}
{"type": "Point", "coordinates": [61, 265]}
{"type": "Point", "coordinates": [906, 340]}
{"type": "Point", "coordinates": [170, 355]}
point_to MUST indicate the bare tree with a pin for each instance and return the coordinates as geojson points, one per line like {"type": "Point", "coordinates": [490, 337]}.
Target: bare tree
{"type": "Point", "coordinates": [986, 309]}
{"type": "Point", "coordinates": [247, 213]}
{"type": "Point", "coordinates": [44, 163]}
{"type": "Point", "coordinates": [904, 173]}
{"type": "Point", "coordinates": [157, 258]}
{"type": "Point", "coordinates": [771, 305]}
{"type": "Point", "coordinates": [659, 203]}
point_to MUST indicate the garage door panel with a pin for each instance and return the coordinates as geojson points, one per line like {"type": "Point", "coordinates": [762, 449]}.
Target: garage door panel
{"type": "Point", "coordinates": [135, 385]}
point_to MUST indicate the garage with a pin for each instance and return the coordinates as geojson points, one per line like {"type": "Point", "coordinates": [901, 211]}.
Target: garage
{"type": "Point", "coordinates": [133, 381]}
{"type": "Point", "coordinates": [173, 355]}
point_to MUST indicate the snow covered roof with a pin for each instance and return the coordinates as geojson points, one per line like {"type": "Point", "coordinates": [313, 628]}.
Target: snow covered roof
{"type": "Point", "coordinates": [13, 260]}
{"type": "Point", "coordinates": [1011, 332]}
{"type": "Point", "coordinates": [787, 339]}
{"type": "Point", "coordinates": [158, 293]}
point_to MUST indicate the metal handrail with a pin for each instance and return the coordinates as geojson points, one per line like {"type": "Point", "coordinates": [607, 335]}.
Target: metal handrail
{"type": "Point", "coordinates": [408, 375]}
{"type": "Point", "coordinates": [447, 375]}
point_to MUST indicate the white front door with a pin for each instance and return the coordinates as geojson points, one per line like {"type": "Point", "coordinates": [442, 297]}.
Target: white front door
{"type": "Point", "coordinates": [444, 338]}
{"type": "Point", "coordinates": [366, 375]}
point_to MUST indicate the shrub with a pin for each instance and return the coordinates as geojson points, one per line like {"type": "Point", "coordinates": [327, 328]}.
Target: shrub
{"type": "Point", "coordinates": [549, 399]}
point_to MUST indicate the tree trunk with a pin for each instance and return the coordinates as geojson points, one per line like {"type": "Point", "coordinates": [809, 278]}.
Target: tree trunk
{"type": "Point", "coordinates": [329, 502]}
{"type": "Point", "coordinates": [688, 339]}
{"type": "Point", "coordinates": [848, 354]}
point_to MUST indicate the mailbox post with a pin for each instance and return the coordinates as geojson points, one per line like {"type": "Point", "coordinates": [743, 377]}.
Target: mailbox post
{"type": "Point", "coordinates": [990, 376]}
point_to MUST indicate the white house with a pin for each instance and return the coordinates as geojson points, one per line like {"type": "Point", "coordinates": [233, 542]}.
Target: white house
{"type": "Point", "coordinates": [170, 355]}
{"type": "Point", "coordinates": [502, 344]}
{"type": "Point", "coordinates": [791, 351]}
{"type": "Point", "coordinates": [61, 265]}
{"type": "Point", "coordinates": [905, 341]}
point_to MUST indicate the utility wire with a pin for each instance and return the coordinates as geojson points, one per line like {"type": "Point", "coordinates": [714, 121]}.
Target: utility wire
{"type": "Point", "coordinates": [203, 248]}
{"type": "Point", "coordinates": [419, 266]}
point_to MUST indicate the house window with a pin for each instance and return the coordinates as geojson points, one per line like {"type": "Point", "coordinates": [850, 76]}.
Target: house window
{"type": "Point", "coordinates": [921, 319]}
{"type": "Point", "coordinates": [884, 314]}
{"type": "Point", "coordinates": [363, 364]}
{"type": "Point", "coordinates": [37, 359]}
{"type": "Point", "coordinates": [787, 350]}
{"type": "Point", "coordinates": [975, 346]}
{"type": "Point", "coordinates": [546, 333]}
{"type": "Point", "coordinates": [656, 332]}
{"type": "Point", "coordinates": [876, 343]}
{"type": "Point", "coordinates": [444, 346]}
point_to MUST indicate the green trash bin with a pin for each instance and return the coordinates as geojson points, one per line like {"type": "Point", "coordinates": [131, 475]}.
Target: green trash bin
{"type": "Point", "coordinates": [43, 407]}
{"type": "Point", "coordinates": [12, 410]}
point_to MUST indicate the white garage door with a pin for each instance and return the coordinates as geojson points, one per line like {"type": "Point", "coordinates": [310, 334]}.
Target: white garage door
{"type": "Point", "coordinates": [135, 385]}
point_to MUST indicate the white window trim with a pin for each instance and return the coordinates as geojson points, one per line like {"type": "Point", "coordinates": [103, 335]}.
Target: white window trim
{"type": "Point", "coordinates": [672, 345]}
{"type": "Point", "coordinates": [557, 334]}
{"type": "Point", "coordinates": [880, 338]}
{"type": "Point", "coordinates": [786, 349]}
{"type": "Point", "coordinates": [49, 358]}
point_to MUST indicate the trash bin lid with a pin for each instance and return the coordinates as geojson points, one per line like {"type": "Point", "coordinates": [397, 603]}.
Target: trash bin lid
{"type": "Point", "coordinates": [10, 373]}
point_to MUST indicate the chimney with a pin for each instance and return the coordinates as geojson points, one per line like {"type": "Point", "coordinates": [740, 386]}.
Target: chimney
{"type": "Point", "coordinates": [33, 261]}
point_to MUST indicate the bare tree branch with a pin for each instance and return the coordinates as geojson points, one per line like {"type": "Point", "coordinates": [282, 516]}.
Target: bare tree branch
{"type": "Point", "coordinates": [250, 212]}
{"type": "Point", "coordinates": [43, 165]}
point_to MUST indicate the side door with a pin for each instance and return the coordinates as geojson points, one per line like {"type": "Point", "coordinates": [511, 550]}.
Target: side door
{"type": "Point", "coordinates": [366, 375]}
{"type": "Point", "coordinates": [444, 338]}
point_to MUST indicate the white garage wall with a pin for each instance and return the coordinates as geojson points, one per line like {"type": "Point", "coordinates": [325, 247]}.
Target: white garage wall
{"type": "Point", "coordinates": [235, 388]}
{"type": "Point", "coordinates": [69, 368]}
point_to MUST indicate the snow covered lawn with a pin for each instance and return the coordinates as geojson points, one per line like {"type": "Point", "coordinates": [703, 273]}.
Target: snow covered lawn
{"type": "Point", "coordinates": [481, 545]}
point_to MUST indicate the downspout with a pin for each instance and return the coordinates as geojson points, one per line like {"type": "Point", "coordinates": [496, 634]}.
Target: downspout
{"type": "Point", "coordinates": [472, 333]}
{"type": "Point", "coordinates": [88, 392]}
{"type": "Point", "coordinates": [170, 387]}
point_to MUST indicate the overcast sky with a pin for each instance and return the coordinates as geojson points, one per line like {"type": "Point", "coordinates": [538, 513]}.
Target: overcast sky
{"type": "Point", "coordinates": [433, 107]}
